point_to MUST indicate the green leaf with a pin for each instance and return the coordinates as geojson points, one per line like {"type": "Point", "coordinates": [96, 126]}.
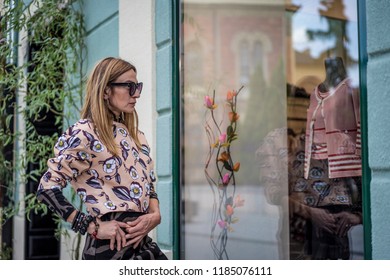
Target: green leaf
{"type": "Point", "coordinates": [227, 166]}
{"type": "Point", "coordinates": [229, 131]}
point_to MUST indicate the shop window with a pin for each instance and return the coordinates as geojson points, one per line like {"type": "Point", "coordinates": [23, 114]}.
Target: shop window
{"type": "Point", "coordinates": [276, 169]}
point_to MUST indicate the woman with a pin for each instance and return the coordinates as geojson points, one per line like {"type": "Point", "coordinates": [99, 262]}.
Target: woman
{"type": "Point", "coordinates": [107, 161]}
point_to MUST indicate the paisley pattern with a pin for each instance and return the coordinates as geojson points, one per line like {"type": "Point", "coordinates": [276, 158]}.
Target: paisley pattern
{"type": "Point", "coordinates": [103, 181]}
{"type": "Point", "coordinates": [279, 171]}
{"type": "Point", "coordinates": [318, 190]}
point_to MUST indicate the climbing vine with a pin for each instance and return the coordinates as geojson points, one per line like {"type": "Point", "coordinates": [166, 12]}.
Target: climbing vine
{"type": "Point", "coordinates": [41, 70]}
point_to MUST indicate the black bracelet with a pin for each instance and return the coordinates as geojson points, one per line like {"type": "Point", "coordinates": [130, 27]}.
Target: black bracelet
{"type": "Point", "coordinates": [76, 221]}
{"type": "Point", "coordinates": [81, 222]}
{"type": "Point", "coordinates": [85, 223]}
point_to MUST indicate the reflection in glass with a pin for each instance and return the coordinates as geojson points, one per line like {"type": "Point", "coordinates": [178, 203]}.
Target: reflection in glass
{"type": "Point", "coordinates": [325, 188]}
{"type": "Point", "coordinates": [244, 63]}
{"type": "Point", "coordinates": [279, 51]}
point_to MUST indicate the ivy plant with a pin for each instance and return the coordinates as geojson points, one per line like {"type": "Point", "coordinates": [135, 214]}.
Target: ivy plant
{"type": "Point", "coordinates": [41, 81]}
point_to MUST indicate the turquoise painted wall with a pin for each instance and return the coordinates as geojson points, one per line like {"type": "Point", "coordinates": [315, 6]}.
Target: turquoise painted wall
{"type": "Point", "coordinates": [378, 98]}
{"type": "Point", "coordinates": [101, 19]}
{"type": "Point", "coordinates": [102, 26]}
{"type": "Point", "coordinates": [164, 39]}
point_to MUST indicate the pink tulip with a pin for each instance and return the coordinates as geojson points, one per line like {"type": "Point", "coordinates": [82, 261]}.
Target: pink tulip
{"type": "Point", "coordinates": [221, 223]}
{"type": "Point", "coordinates": [208, 102]}
{"type": "Point", "coordinates": [226, 179]}
{"type": "Point", "coordinates": [222, 138]}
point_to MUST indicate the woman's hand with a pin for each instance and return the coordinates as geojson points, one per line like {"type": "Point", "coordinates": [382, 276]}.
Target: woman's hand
{"type": "Point", "coordinates": [345, 220]}
{"type": "Point", "coordinates": [112, 230]}
{"type": "Point", "coordinates": [323, 219]}
{"type": "Point", "coordinates": [139, 228]}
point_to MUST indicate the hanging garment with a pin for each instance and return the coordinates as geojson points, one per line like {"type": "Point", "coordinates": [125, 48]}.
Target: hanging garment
{"type": "Point", "coordinates": [333, 130]}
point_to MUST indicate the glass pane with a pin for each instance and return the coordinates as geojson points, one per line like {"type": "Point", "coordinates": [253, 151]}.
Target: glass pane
{"type": "Point", "coordinates": [271, 130]}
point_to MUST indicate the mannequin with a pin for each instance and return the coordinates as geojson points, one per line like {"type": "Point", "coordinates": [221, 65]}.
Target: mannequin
{"type": "Point", "coordinates": [335, 73]}
{"type": "Point", "coordinates": [328, 197]}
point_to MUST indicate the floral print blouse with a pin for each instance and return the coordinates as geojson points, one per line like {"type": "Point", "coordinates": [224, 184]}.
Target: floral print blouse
{"type": "Point", "coordinates": [105, 183]}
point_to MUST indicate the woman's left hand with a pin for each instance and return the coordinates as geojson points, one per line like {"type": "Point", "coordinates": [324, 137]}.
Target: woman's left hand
{"type": "Point", "coordinates": [140, 227]}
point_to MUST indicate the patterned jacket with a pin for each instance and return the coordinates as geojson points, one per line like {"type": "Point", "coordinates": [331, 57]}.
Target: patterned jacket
{"type": "Point", "coordinates": [105, 183]}
{"type": "Point", "coordinates": [333, 130]}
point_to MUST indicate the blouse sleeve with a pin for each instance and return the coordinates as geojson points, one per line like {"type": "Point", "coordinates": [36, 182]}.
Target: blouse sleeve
{"type": "Point", "coordinates": [70, 160]}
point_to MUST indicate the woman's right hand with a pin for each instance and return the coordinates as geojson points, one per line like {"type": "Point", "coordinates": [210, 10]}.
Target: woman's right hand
{"type": "Point", "coordinates": [111, 230]}
{"type": "Point", "coordinates": [323, 219]}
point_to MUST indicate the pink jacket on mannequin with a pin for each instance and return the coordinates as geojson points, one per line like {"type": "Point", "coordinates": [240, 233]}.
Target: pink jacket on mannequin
{"type": "Point", "coordinates": [333, 130]}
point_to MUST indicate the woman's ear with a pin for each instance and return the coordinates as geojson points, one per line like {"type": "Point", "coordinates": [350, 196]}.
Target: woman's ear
{"type": "Point", "coordinates": [107, 92]}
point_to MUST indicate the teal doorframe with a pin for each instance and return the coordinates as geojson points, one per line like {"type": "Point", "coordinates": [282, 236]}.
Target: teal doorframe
{"type": "Point", "coordinates": [168, 122]}
{"type": "Point", "coordinates": [366, 177]}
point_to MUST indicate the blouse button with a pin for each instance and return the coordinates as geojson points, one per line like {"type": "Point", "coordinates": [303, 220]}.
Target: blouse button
{"type": "Point", "coordinates": [346, 131]}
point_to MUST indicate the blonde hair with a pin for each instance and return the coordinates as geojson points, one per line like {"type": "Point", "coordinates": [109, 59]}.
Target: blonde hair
{"type": "Point", "coordinates": [95, 108]}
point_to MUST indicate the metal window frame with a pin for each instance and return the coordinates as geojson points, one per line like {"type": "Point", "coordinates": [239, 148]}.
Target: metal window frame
{"type": "Point", "coordinates": [366, 176]}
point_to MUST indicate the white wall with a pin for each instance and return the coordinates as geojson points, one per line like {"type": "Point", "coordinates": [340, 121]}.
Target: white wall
{"type": "Point", "coordinates": [136, 45]}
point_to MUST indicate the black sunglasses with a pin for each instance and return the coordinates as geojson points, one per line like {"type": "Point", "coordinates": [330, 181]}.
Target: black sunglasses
{"type": "Point", "coordinates": [131, 86]}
